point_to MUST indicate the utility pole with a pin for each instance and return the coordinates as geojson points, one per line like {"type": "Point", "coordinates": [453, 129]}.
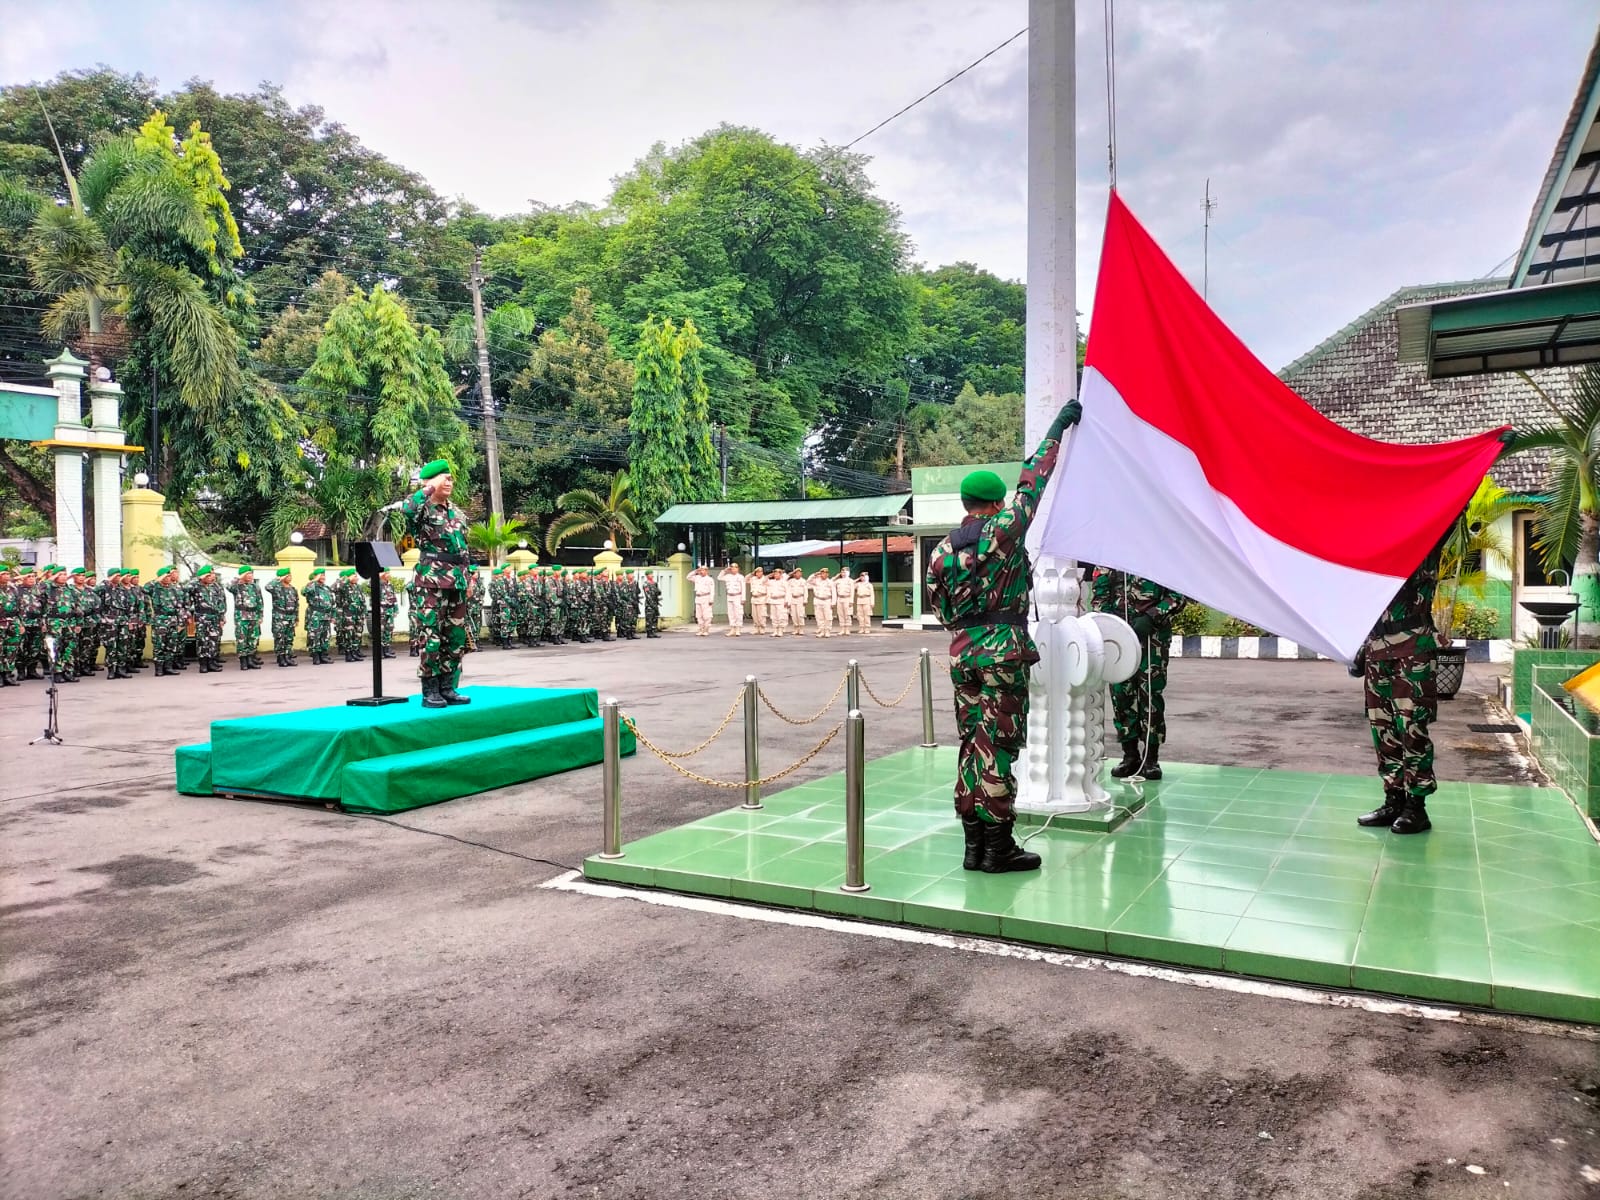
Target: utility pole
{"type": "Point", "coordinates": [491, 441]}
{"type": "Point", "coordinates": [802, 470]}
{"type": "Point", "coordinates": [1205, 262]}
{"type": "Point", "coordinates": [722, 454]}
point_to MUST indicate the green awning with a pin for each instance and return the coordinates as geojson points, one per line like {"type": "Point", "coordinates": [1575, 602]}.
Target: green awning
{"type": "Point", "coordinates": [1522, 329]}
{"type": "Point", "coordinates": [763, 512]}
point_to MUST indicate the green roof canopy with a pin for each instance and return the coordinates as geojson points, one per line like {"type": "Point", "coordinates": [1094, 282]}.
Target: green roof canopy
{"type": "Point", "coordinates": [762, 512]}
{"type": "Point", "coordinates": [1520, 329]}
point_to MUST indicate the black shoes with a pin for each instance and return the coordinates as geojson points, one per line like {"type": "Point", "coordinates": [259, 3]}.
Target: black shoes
{"type": "Point", "coordinates": [1130, 761]}
{"type": "Point", "coordinates": [1382, 816]}
{"type": "Point", "coordinates": [1138, 763]}
{"type": "Point", "coordinates": [1001, 852]}
{"type": "Point", "coordinates": [448, 692]}
{"type": "Point", "coordinates": [430, 692]}
{"type": "Point", "coordinates": [1413, 818]}
{"type": "Point", "coordinates": [972, 829]}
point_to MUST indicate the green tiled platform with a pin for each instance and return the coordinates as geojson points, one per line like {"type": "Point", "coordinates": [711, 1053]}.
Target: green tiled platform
{"type": "Point", "coordinates": [1262, 873]}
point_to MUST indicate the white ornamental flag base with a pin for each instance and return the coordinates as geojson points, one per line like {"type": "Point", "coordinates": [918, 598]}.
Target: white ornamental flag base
{"type": "Point", "coordinates": [1059, 771]}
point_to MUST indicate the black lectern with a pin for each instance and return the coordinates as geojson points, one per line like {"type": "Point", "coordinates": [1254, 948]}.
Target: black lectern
{"type": "Point", "coordinates": [371, 560]}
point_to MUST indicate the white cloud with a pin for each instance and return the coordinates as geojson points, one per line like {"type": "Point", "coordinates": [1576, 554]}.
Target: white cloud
{"type": "Point", "coordinates": [1353, 148]}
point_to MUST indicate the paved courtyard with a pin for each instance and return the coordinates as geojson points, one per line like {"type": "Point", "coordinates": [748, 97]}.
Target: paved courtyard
{"type": "Point", "coordinates": [205, 997]}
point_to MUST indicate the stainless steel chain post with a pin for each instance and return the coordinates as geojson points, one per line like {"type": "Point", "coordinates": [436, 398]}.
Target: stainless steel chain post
{"type": "Point", "coordinates": [852, 686]}
{"type": "Point", "coordinates": [927, 699]}
{"type": "Point", "coordinates": [855, 804]}
{"type": "Point", "coordinates": [752, 744]}
{"type": "Point", "coordinates": [611, 796]}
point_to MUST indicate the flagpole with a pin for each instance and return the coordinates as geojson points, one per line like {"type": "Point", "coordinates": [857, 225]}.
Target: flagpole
{"type": "Point", "coordinates": [1052, 329]}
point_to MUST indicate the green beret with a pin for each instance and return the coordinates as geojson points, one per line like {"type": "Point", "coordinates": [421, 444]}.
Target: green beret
{"type": "Point", "coordinates": [247, 570]}
{"type": "Point", "coordinates": [80, 570]}
{"type": "Point", "coordinates": [347, 571]}
{"type": "Point", "coordinates": [21, 570]}
{"type": "Point", "coordinates": [438, 466]}
{"type": "Point", "coordinates": [983, 485]}
{"type": "Point", "coordinates": [317, 570]}
{"type": "Point", "coordinates": [205, 570]}
{"type": "Point", "coordinates": [163, 571]}
{"type": "Point", "coordinates": [556, 570]}
{"type": "Point", "coordinates": [282, 571]}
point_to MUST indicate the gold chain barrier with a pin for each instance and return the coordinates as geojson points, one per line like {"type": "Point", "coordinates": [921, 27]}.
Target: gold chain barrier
{"type": "Point", "coordinates": [916, 673]}
{"type": "Point", "coordinates": [814, 717]}
{"type": "Point", "coordinates": [726, 721]}
{"type": "Point", "coordinates": [722, 783]}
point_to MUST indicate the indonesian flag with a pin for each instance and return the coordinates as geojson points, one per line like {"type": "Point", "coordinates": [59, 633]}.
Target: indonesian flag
{"type": "Point", "coordinates": [1198, 468]}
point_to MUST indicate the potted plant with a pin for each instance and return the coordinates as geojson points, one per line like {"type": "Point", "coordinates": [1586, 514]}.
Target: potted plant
{"type": "Point", "coordinates": [1464, 556]}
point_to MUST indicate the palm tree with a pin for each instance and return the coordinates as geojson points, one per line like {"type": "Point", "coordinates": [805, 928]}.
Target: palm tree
{"type": "Point", "coordinates": [586, 511]}
{"type": "Point", "coordinates": [1567, 520]}
{"type": "Point", "coordinates": [490, 537]}
{"type": "Point", "coordinates": [145, 246]}
{"type": "Point", "coordinates": [345, 499]}
{"type": "Point", "coordinates": [1471, 545]}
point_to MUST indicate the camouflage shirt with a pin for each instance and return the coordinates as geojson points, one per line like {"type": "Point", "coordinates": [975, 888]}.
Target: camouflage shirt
{"type": "Point", "coordinates": [1130, 596]}
{"type": "Point", "coordinates": [1406, 628]}
{"type": "Point", "coordinates": [246, 597]}
{"type": "Point", "coordinates": [989, 575]}
{"type": "Point", "coordinates": [441, 534]}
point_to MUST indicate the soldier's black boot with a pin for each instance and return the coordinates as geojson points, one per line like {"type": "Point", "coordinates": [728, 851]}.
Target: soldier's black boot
{"type": "Point", "coordinates": [1001, 852]}
{"type": "Point", "coordinates": [1384, 815]}
{"type": "Point", "coordinates": [1152, 763]}
{"type": "Point", "coordinates": [1413, 818]}
{"type": "Point", "coordinates": [7, 679]}
{"type": "Point", "coordinates": [388, 652]}
{"type": "Point", "coordinates": [430, 692]}
{"type": "Point", "coordinates": [448, 693]}
{"type": "Point", "coordinates": [972, 829]}
{"type": "Point", "coordinates": [1130, 761]}
{"type": "Point", "coordinates": [416, 649]}
{"type": "Point", "coordinates": [244, 662]}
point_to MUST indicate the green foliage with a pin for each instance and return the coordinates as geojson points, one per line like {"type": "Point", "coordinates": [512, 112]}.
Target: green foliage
{"type": "Point", "coordinates": [1476, 622]}
{"type": "Point", "coordinates": [1473, 544]}
{"type": "Point", "coordinates": [659, 452]}
{"type": "Point", "coordinates": [973, 429]}
{"type": "Point", "coordinates": [1235, 627]}
{"type": "Point", "coordinates": [968, 332]}
{"type": "Point", "coordinates": [703, 472]}
{"type": "Point", "coordinates": [1191, 620]}
{"type": "Point", "coordinates": [489, 538]}
{"type": "Point", "coordinates": [586, 511]}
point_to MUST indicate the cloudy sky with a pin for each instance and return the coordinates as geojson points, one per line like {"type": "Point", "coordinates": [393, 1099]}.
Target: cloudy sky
{"type": "Point", "coordinates": [1353, 146]}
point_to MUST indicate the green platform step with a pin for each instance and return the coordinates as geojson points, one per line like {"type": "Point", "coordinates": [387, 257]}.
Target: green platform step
{"type": "Point", "coordinates": [401, 756]}
{"type": "Point", "coordinates": [397, 782]}
{"type": "Point", "coordinates": [1259, 873]}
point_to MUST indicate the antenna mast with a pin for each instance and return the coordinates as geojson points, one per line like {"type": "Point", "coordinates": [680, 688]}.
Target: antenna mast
{"type": "Point", "coordinates": [1205, 269]}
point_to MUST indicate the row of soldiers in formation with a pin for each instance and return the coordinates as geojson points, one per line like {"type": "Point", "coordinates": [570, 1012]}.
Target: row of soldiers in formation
{"type": "Point", "coordinates": [55, 620]}
{"type": "Point", "coordinates": [80, 616]}
{"type": "Point", "coordinates": [778, 600]}
{"type": "Point", "coordinates": [539, 605]}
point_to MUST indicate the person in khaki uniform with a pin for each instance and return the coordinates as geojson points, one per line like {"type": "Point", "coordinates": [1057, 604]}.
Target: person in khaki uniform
{"type": "Point", "coordinates": [705, 597]}
{"type": "Point", "coordinates": [778, 603]}
{"type": "Point", "coordinates": [864, 598]}
{"type": "Point", "coordinates": [733, 588]}
{"type": "Point", "coordinates": [843, 597]}
{"type": "Point", "coordinates": [822, 601]}
{"type": "Point", "coordinates": [795, 590]}
{"type": "Point", "coordinates": [758, 600]}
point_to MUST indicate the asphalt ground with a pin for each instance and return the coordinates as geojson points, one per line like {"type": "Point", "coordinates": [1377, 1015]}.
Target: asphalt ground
{"type": "Point", "coordinates": [214, 998]}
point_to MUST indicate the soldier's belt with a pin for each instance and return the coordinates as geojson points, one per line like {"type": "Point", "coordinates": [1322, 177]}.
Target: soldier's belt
{"type": "Point", "coordinates": [446, 559]}
{"type": "Point", "coordinates": [990, 618]}
{"type": "Point", "coordinates": [1390, 628]}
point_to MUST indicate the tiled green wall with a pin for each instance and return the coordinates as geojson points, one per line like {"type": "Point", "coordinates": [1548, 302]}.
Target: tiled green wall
{"type": "Point", "coordinates": [1568, 754]}
{"type": "Point", "coordinates": [1522, 664]}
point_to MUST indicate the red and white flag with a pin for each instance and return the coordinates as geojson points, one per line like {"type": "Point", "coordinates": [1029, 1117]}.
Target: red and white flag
{"type": "Point", "coordinates": [1197, 467]}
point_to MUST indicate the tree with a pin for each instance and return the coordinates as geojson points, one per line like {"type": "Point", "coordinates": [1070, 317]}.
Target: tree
{"type": "Point", "coordinates": [565, 421]}
{"type": "Point", "coordinates": [587, 511]}
{"type": "Point", "coordinates": [659, 452]}
{"type": "Point", "coordinates": [377, 403]}
{"type": "Point", "coordinates": [703, 466]}
{"type": "Point", "coordinates": [1567, 520]}
{"type": "Point", "coordinates": [969, 328]}
{"type": "Point", "coordinates": [1472, 544]}
{"type": "Point", "coordinates": [974, 429]}
{"type": "Point", "coordinates": [494, 535]}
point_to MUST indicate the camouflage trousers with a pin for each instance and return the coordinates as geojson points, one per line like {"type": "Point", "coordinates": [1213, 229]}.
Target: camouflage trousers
{"type": "Point", "coordinates": [208, 636]}
{"type": "Point", "coordinates": [1402, 699]}
{"type": "Point", "coordinates": [1139, 705]}
{"type": "Point", "coordinates": [992, 719]}
{"type": "Point", "coordinates": [386, 627]}
{"type": "Point", "coordinates": [318, 630]}
{"type": "Point", "coordinates": [440, 617]}
{"type": "Point", "coordinates": [10, 644]}
{"type": "Point", "coordinates": [283, 634]}
{"type": "Point", "coordinates": [348, 632]}
{"type": "Point", "coordinates": [246, 634]}
{"type": "Point", "coordinates": [65, 634]}
{"type": "Point", "coordinates": [32, 653]}
{"type": "Point", "coordinates": [652, 618]}
{"type": "Point", "coordinates": [88, 649]}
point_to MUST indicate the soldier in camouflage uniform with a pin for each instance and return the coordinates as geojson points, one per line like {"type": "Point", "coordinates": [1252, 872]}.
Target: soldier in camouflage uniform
{"type": "Point", "coordinates": [389, 610]}
{"type": "Point", "coordinates": [413, 638]}
{"type": "Point", "coordinates": [440, 615]}
{"type": "Point", "coordinates": [246, 618]}
{"type": "Point", "coordinates": [10, 626]}
{"type": "Point", "coordinates": [31, 659]}
{"type": "Point", "coordinates": [285, 616]}
{"type": "Point", "coordinates": [605, 607]}
{"type": "Point", "coordinates": [349, 606]}
{"type": "Point", "coordinates": [524, 608]}
{"type": "Point", "coordinates": [1138, 705]}
{"type": "Point", "coordinates": [61, 622]}
{"type": "Point", "coordinates": [1399, 665]}
{"type": "Point", "coordinates": [978, 580]}
{"type": "Point", "coordinates": [499, 603]}
{"type": "Point", "coordinates": [652, 607]}
{"type": "Point", "coordinates": [319, 616]}
{"type": "Point", "coordinates": [210, 602]}
{"type": "Point", "coordinates": [87, 599]}
{"type": "Point", "coordinates": [161, 603]}
{"type": "Point", "coordinates": [628, 606]}
{"type": "Point", "coordinates": [555, 601]}
{"type": "Point", "coordinates": [112, 634]}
